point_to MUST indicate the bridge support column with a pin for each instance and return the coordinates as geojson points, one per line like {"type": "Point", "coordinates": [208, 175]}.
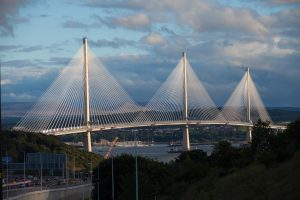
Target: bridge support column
{"type": "Point", "coordinates": [87, 143]}
{"type": "Point", "coordinates": [186, 135]}
{"type": "Point", "coordinates": [249, 135]}
{"type": "Point", "coordinates": [186, 139]}
{"type": "Point", "coordinates": [87, 137]}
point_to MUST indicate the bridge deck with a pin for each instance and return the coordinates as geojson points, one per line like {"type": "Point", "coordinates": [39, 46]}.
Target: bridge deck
{"type": "Point", "coordinates": [72, 130]}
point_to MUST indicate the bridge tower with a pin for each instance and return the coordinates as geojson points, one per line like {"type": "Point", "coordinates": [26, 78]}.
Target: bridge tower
{"type": "Point", "coordinates": [186, 135]}
{"type": "Point", "coordinates": [87, 137]}
{"type": "Point", "coordinates": [249, 134]}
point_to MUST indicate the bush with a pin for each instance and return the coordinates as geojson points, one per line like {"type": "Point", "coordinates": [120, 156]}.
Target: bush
{"type": "Point", "coordinates": [153, 178]}
{"type": "Point", "coordinates": [283, 144]}
{"type": "Point", "coordinates": [261, 136]}
{"type": "Point", "coordinates": [267, 158]}
{"type": "Point", "coordinates": [197, 156]}
{"type": "Point", "coordinates": [224, 155]}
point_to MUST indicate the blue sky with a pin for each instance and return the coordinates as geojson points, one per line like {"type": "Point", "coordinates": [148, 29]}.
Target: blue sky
{"type": "Point", "coordinates": [140, 42]}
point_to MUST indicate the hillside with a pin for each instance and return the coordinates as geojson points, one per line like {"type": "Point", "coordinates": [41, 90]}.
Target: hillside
{"type": "Point", "coordinates": [256, 181]}
{"type": "Point", "coordinates": [18, 142]}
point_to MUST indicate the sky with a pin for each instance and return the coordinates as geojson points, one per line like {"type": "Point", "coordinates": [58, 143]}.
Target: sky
{"type": "Point", "coordinates": [140, 42]}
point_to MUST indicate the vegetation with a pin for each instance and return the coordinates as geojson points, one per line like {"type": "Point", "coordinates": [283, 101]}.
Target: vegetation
{"type": "Point", "coordinates": [269, 168]}
{"type": "Point", "coordinates": [16, 143]}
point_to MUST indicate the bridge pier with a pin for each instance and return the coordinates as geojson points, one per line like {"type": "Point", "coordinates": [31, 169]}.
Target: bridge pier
{"type": "Point", "coordinates": [87, 138]}
{"type": "Point", "coordinates": [186, 139]}
{"type": "Point", "coordinates": [186, 134]}
{"type": "Point", "coordinates": [87, 143]}
{"type": "Point", "coordinates": [249, 135]}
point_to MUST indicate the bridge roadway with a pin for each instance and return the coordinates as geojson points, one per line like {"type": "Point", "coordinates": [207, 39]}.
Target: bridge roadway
{"type": "Point", "coordinates": [72, 130]}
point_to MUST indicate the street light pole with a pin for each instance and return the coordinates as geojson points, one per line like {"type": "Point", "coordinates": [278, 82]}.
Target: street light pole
{"type": "Point", "coordinates": [63, 172]}
{"type": "Point", "coordinates": [6, 175]}
{"type": "Point", "coordinates": [24, 170]}
{"type": "Point", "coordinates": [74, 167]}
{"type": "Point", "coordinates": [91, 172]}
{"type": "Point", "coordinates": [67, 172]}
{"type": "Point", "coordinates": [98, 197]}
{"type": "Point", "coordinates": [41, 172]}
{"type": "Point", "coordinates": [136, 171]}
{"type": "Point", "coordinates": [112, 177]}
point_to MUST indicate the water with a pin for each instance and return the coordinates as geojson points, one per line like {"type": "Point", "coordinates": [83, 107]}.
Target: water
{"type": "Point", "coordinates": [157, 152]}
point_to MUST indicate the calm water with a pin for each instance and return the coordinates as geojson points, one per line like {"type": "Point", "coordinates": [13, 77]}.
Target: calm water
{"type": "Point", "coordinates": [157, 152]}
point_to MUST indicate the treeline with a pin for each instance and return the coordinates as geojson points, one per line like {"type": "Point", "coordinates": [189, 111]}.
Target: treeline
{"type": "Point", "coordinates": [16, 143]}
{"type": "Point", "coordinates": [195, 175]}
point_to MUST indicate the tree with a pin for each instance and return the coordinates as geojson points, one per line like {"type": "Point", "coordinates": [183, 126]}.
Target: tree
{"type": "Point", "coordinates": [191, 166]}
{"type": "Point", "coordinates": [281, 144]}
{"type": "Point", "coordinates": [153, 178]}
{"type": "Point", "coordinates": [261, 135]}
{"type": "Point", "coordinates": [224, 155]}
{"type": "Point", "coordinates": [197, 156]}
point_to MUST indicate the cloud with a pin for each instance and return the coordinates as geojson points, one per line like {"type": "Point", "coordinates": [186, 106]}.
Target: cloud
{"type": "Point", "coordinates": [25, 83]}
{"type": "Point", "coordinates": [6, 82]}
{"type": "Point", "coordinates": [115, 43]}
{"type": "Point", "coordinates": [31, 48]}
{"type": "Point", "coordinates": [9, 47]}
{"type": "Point", "coordinates": [154, 39]}
{"type": "Point", "coordinates": [9, 15]}
{"type": "Point", "coordinates": [136, 22]}
{"type": "Point", "coordinates": [285, 22]}
{"type": "Point", "coordinates": [289, 43]}
{"type": "Point", "coordinates": [252, 49]}
{"type": "Point", "coordinates": [19, 63]}
{"type": "Point", "coordinates": [201, 16]}
{"type": "Point", "coordinates": [277, 2]}
{"type": "Point", "coordinates": [80, 25]}
{"type": "Point", "coordinates": [283, 1]}
{"type": "Point", "coordinates": [22, 97]}
{"type": "Point", "coordinates": [74, 24]}
{"type": "Point", "coordinates": [205, 17]}
{"type": "Point", "coordinates": [13, 75]}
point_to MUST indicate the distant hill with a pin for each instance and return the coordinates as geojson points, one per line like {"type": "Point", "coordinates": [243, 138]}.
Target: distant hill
{"type": "Point", "coordinates": [284, 114]}
{"type": "Point", "coordinates": [18, 142]}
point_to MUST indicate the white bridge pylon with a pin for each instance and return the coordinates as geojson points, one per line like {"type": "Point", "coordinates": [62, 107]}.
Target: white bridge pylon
{"type": "Point", "coordinates": [181, 100]}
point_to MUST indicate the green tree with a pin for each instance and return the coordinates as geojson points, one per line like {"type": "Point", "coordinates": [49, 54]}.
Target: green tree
{"type": "Point", "coordinates": [261, 136]}
{"type": "Point", "coordinates": [224, 155]}
{"type": "Point", "coordinates": [197, 156]}
{"type": "Point", "coordinates": [154, 177]}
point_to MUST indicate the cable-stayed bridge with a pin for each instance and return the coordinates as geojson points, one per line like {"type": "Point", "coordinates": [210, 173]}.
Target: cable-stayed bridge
{"type": "Point", "coordinates": [85, 97]}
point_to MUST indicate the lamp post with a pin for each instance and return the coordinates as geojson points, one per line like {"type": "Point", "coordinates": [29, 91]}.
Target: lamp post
{"type": "Point", "coordinates": [67, 172]}
{"type": "Point", "coordinates": [91, 173]}
{"type": "Point", "coordinates": [74, 167]}
{"type": "Point", "coordinates": [41, 172]}
{"type": "Point", "coordinates": [112, 177]}
{"type": "Point", "coordinates": [6, 175]}
{"type": "Point", "coordinates": [24, 166]}
{"type": "Point", "coordinates": [98, 197]}
{"type": "Point", "coordinates": [136, 170]}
